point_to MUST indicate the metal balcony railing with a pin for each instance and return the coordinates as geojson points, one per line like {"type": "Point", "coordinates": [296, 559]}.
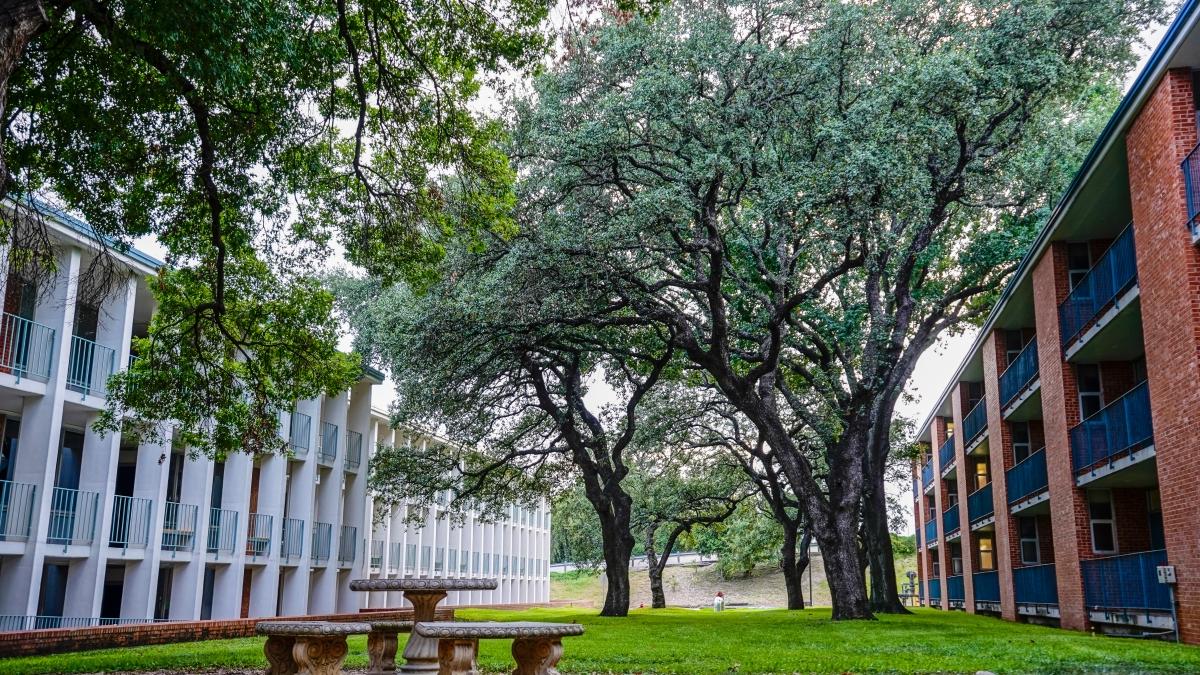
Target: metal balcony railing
{"type": "Point", "coordinates": [410, 559]}
{"type": "Point", "coordinates": [1191, 184]}
{"type": "Point", "coordinates": [354, 444]}
{"type": "Point", "coordinates": [299, 431]}
{"type": "Point", "coordinates": [1113, 274]}
{"type": "Point", "coordinates": [26, 348]}
{"type": "Point", "coordinates": [222, 531]}
{"type": "Point", "coordinates": [18, 622]}
{"type": "Point", "coordinates": [130, 522]}
{"type": "Point", "coordinates": [179, 527]}
{"type": "Point", "coordinates": [1121, 426]}
{"type": "Point", "coordinates": [327, 443]}
{"type": "Point", "coordinates": [986, 586]}
{"type": "Point", "coordinates": [292, 544]}
{"type": "Point", "coordinates": [90, 367]}
{"type": "Point", "coordinates": [1127, 581]}
{"type": "Point", "coordinates": [377, 554]}
{"type": "Point", "coordinates": [950, 518]}
{"type": "Point", "coordinates": [935, 590]}
{"type": "Point", "coordinates": [348, 545]}
{"type": "Point", "coordinates": [1020, 373]}
{"type": "Point", "coordinates": [16, 510]}
{"type": "Point", "coordinates": [1035, 585]}
{"type": "Point", "coordinates": [930, 531]}
{"type": "Point", "coordinates": [955, 589]}
{"type": "Point", "coordinates": [322, 541]}
{"type": "Point", "coordinates": [258, 535]}
{"type": "Point", "coordinates": [979, 504]}
{"type": "Point", "coordinates": [975, 423]}
{"type": "Point", "coordinates": [73, 516]}
{"type": "Point", "coordinates": [1027, 477]}
{"type": "Point", "coordinates": [394, 556]}
{"type": "Point", "coordinates": [946, 453]}
{"type": "Point", "coordinates": [926, 474]}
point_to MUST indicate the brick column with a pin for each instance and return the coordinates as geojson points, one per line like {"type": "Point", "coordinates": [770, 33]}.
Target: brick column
{"type": "Point", "coordinates": [1000, 458]}
{"type": "Point", "coordinates": [1169, 277]}
{"type": "Point", "coordinates": [939, 505]}
{"type": "Point", "coordinates": [1060, 411]}
{"type": "Point", "coordinates": [964, 518]}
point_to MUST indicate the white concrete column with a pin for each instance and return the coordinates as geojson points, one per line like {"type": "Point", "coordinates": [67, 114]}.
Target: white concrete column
{"type": "Point", "coordinates": [272, 495]}
{"type": "Point", "coordinates": [235, 496]}
{"type": "Point", "coordinates": [301, 504]}
{"type": "Point", "coordinates": [149, 482]}
{"type": "Point", "coordinates": [187, 582]}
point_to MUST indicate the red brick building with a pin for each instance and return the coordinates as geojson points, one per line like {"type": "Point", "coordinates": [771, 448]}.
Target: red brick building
{"type": "Point", "coordinates": [1062, 467]}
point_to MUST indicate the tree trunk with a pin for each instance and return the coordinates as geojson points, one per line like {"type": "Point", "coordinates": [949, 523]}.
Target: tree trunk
{"type": "Point", "coordinates": [618, 547]}
{"type": "Point", "coordinates": [795, 561]}
{"type": "Point", "coordinates": [885, 596]}
{"type": "Point", "coordinates": [841, 555]}
{"type": "Point", "coordinates": [20, 20]}
{"type": "Point", "coordinates": [658, 599]}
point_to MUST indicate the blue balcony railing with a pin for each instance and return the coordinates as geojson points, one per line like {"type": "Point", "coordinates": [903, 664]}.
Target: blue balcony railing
{"type": "Point", "coordinates": [1020, 373]}
{"type": "Point", "coordinates": [26, 348]}
{"type": "Point", "coordinates": [299, 432]}
{"type": "Point", "coordinates": [1113, 274]}
{"type": "Point", "coordinates": [975, 422]}
{"type": "Point", "coordinates": [16, 510]}
{"type": "Point", "coordinates": [130, 522]}
{"type": "Point", "coordinates": [327, 444]}
{"type": "Point", "coordinates": [292, 545]}
{"type": "Point", "coordinates": [1121, 426]}
{"type": "Point", "coordinates": [322, 539]}
{"type": "Point", "coordinates": [950, 520]}
{"type": "Point", "coordinates": [986, 586]}
{"type": "Point", "coordinates": [935, 590]}
{"type": "Point", "coordinates": [73, 515]}
{"type": "Point", "coordinates": [926, 474]}
{"type": "Point", "coordinates": [955, 589]}
{"type": "Point", "coordinates": [1035, 585]}
{"type": "Point", "coordinates": [1127, 581]}
{"type": "Point", "coordinates": [1027, 477]}
{"type": "Point", "coordinates": [930, 531]}
{"type": "Point", "coordinates": [258, 536]}
{"type": "Point", "coordinates": [1191, 184]}
{"type": "Point", "coordinates": [354, 444]}
{"type": "Point", "coordinates": [979, 504]}
{"type": "Point", "coordinates": [90, 367]}
{"type": "Point", "coordinates": [946, 454]}
{"type": "Point", "coordinates": [179, 527]}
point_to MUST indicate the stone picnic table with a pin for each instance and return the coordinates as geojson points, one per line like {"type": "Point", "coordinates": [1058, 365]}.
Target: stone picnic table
{"type": "Point", "coordinates": [315, 647]}
{"type": "Point", "coordinates": [421, 653]}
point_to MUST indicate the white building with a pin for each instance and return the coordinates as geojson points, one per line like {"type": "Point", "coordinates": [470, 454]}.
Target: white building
{"type": "Point", "coordinates": [99, 529]}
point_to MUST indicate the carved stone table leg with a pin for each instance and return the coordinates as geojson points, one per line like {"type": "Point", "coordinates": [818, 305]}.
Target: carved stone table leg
{"type": "Point", "coordinates": [536, 656]}
{"type": "Point", "coordinates": [278, 649]}
{"type": "Point", "coordinates": [381, 652]}
{"type": "Point", "coordinates": [457, 657]}
{"type": "Point", "coordinates": [421, 653]}
{"type": "Point", "coordinates": [320, 655]}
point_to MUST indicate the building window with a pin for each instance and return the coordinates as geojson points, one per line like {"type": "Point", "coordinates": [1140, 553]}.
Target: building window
{"type": "Point", "coordinates": [981, 474]}
{"type": "Point", "coordinates": [1079, 262]}
{"type": "Point", "coordinates": [1091, 395]}
{"type": "Point", "coordinates": [1031, 551]}
{"type": "Point", "coordinates": [951, 496]}
{"type": "Point", "coordinates": [1154, 509]}
{"type": "Point", "coordinates": [1014, 342]}
{"type": "Point", "coordinates": [974, 395]}
{"type": "Point", "coordinates": [956, 566]}
{"type": "Point", "coordinates": [1139, 370]}
{"type": "Point", "coordinates": [936, 567]}
{"type": "Point", "coordinates": [1104, 531]}
{"type": "Point", "coordinates": [1021, 444]}
{"type": "Point", "coordinates": [987, 553]}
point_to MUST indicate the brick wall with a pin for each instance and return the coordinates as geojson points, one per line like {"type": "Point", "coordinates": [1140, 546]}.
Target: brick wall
{"type": "Point", "coordinates": [1133, 519]}
{"type": "Point", "coordinates": [60, 640]}
{"type": "Point", "coordinates": [1169, 277]}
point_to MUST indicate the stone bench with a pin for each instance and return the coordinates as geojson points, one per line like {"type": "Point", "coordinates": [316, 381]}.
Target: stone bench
{"type": "Point", "coordinates": [382, 642]}
{"type": "Point", "coordinates": [312, 647]}
{"type": "Point", "coordinates": [536, 647]}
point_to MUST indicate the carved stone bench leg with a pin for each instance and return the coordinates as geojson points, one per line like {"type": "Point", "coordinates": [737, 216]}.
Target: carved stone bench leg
{"type": "Point", "coordinates": [278, 650]}
{"type": "Point", "coordinates": [381, 652]}
{"type": "Point", "coordinates": [457, 656]}
{"type": "Point", "coordinates": [320, 655]}
{"type": "Point", "coordinates": [536, 656]}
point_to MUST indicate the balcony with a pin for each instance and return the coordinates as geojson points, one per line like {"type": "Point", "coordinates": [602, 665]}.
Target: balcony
{"type": "Point", "coordinates": [72, 517]}
{"type": "Point", "coordinates": [950, 524]}
{"type": "Point", "coordinates": [90, 367]}
{"type": "Point", "coordinates": [1019, 377]}
{"type": "Point", "coordinates": [926, 474]}
{"type": "Point", "coordinates": [1191, 184]}
{"type": "Point", "coordinates": [130, 522]}
{"type": "Point", "coordinates": [26, 348]}
{"type": "Point", "coordinates": [299, 432]}
{"type": "Point", "coordinates": [222, 532]}
{"type": "Point", "coordinates": [1027, 482]}
{"type": "Point", "coordinates": [946, 456]}
{"type": "Point", "coordinates": [980, 508]}
{"type": "Point", "coordinates": [1035, 588]}
{"type": "Point", "coordinates": [354, 444]}
{"type": "Point", "coordinates": [322, 541]}
{"type": "Point", "coordinates": [1104, 286]}
{"type": "Point", "coordinates": [986, 588]}
{"type": "Point", "coordinates": [1115, 438]}
{"type": "Point", "coordinates": [327, 443]}
{"type": "Point", "coordinates": [179, 527]}
{"type": "Point", "coordinates": [393, 564]}
{"type": "Point", "coordinates": [376, 555]}
{"type": "Point", "coordinates": [935, 591]}
{"type": "Point", "coordinates": [291, 547]}
{"type": "Point", "coordinates": [258, 536]}
{"type": "Point", "coordinates": [348, 546]}
{"type": "Point", "coordinates": [975, 424]}
{"type": "Point", "coordinates": [955, 590]}
{"type": "Point", "coordinates": [16, 510]}
{"type": "Point", "coordinates": [1118, 588]}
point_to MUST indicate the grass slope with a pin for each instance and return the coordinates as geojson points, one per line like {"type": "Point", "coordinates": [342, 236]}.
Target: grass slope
{"type": "Point", "coordinates": [742, 641]}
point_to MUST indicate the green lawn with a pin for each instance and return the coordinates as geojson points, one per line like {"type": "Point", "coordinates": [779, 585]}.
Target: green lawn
{"type": "Point", "coordinates": [745, 641]}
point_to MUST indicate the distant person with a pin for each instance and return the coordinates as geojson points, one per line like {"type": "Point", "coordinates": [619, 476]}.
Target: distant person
{"type": "Point", "coordinates": [719, 602]}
